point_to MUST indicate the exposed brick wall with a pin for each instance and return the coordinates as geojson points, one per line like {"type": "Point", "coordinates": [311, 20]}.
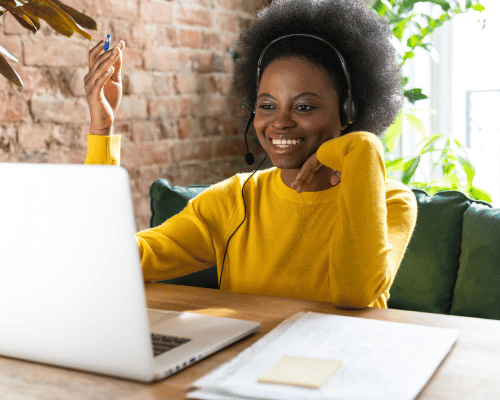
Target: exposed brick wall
{"type": "Point", "coordinates": [176, 119]}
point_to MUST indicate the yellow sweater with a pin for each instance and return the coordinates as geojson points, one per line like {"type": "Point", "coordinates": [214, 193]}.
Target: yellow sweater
{"type": "Point", "coordinates": [343, 245]}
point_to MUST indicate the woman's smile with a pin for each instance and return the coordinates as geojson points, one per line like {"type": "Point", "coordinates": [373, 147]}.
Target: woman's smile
{"type": "Point", "coordinates": [297, 110]}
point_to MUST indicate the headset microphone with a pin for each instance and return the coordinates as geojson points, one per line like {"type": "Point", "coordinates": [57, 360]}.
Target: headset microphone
{"type": "Point", "coordinates": [249, 158]}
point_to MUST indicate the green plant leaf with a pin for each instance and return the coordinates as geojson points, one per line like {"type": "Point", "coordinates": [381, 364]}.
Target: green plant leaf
{"type": "Point", "coordinates": [393, 134]}
{"type": "Point", "coordinates": [8, 72]}
{"type": "Point", "coordinates": [416, 124]}
{"type": "Point", "coordinates": [409, 169]}
{"type": "Point", "coordinates": [394, 165]}
{"type": "Point", "coordinates": [478, 7]}
{"type": "Point", "coordinates": [428, 143]}
{"type": "Point", "coordinates": [470, 171]}
{"type": "Point", "coordinates": [413, 95]}
{"type": "Point", "coordinates": [480, 194]}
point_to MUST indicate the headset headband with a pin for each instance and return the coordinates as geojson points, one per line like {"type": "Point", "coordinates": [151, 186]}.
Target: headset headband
{"type": "Point", "coordinates": [341, 59]}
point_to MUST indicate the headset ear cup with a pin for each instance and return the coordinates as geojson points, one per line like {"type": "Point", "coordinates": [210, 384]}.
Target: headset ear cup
{"type": "Point", "coordinates": [345, 117]}
{"type": "Point", "coordinates": [353, 111]}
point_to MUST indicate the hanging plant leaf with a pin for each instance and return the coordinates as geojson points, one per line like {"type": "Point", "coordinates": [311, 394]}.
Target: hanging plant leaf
{"type": "Point", "coordinates": [59, 20]}
{"type": "Point", "coordinates": [24, 20]}
{"type": "Point", "coordinates": [8, 72]}
{"type": "Point", "coordinates": [80, 18]}
{"type": "Point", "coordinates": [8, 54]}
{"type": "Point", "coordinates": [8, 4]}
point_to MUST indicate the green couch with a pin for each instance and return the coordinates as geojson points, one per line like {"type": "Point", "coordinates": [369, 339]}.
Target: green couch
{"type": "Point", "coordinates": [452, 265]}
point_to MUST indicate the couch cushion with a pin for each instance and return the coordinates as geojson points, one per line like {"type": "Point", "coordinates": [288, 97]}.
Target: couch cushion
{"type": "Point", "coordinates": [166, 201]}
{"type": "Point", "coordinates": [426, 278]}
{"type": "Point", "coordinates": [477, 292]}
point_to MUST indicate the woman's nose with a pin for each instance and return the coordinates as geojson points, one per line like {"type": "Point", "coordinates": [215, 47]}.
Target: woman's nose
{"type": "Point", "coordinates": [283, 120]}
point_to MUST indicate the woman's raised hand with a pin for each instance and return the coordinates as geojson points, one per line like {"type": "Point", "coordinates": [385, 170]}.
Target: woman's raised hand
{"type": "Point", "coordinates": [103, 86]}
{"type": "Point", "coordinates": [306, 173]}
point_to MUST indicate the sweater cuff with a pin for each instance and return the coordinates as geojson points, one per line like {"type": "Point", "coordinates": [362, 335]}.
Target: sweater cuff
{"type": "Point", "coordinates": [103, 149]}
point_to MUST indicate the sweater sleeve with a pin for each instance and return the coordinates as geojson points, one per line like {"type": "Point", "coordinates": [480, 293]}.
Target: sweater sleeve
{"type": "Point", "coordinates": [103, 149]}
{"type": "Point", "coordinates": [188, 241]}
{"type": "Point", "coordinates": [375, 221]}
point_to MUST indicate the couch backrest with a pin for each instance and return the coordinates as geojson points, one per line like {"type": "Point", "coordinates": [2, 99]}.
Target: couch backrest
{"type": "Point", "coordinates": [167, 201]}
{"type": "Point", "coordinates": [428, 273]}
{"type": "Point", "coordinates": [477, 290]}
{"type": "Point", "coordinates": [443, 271]}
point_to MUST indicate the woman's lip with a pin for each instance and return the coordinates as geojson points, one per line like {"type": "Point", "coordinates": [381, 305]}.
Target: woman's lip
{"type": "Point", "coordinates": [285, 148]}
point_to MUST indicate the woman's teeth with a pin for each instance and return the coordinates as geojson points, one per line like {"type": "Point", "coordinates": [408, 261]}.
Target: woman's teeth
{"type": "Point", "coordinates": [283, 143]}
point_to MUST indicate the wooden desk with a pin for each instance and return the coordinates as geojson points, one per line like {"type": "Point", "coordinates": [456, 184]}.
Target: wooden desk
{"type": "Point", "coordinates": [470, 371]}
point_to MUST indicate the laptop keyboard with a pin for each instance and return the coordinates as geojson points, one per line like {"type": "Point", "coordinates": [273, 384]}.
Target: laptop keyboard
{"type": "Point", "coordinates": [163, 343]}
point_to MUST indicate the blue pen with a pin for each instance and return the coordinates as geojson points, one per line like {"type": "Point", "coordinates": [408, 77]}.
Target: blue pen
{"type": "Point", "coordinates": [107, 41]}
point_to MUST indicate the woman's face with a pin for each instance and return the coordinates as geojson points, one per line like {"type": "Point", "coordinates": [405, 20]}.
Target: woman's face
{"type": "Point", "coordinates": [297, 110]}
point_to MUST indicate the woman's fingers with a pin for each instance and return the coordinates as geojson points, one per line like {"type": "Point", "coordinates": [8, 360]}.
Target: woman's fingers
{"type": "Point", "coordinates": [116, 77]}
{"type": "Point", "coordinates": [335, 179]}
{"type": "Point", "coordinates": [101, 67]}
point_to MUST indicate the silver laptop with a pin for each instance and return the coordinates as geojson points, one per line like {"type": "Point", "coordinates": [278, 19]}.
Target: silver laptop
{"type": "Point", "coordinates": [71, 285]}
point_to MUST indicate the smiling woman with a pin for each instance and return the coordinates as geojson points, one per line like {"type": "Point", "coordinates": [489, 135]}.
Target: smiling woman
{"type": "Point", "coordinates": [324, 224]}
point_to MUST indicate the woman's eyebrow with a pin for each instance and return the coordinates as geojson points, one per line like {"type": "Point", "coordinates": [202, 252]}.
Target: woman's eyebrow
{"type": "Point", "coordinates": [295, 98]}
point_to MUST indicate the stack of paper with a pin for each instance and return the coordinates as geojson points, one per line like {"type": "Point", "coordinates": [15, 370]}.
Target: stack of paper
{"type": "Point", "coordinates": [320, 356]}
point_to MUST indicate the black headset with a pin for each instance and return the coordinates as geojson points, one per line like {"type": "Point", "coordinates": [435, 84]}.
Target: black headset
{"type": "Point", "coordinates": [348, 110]}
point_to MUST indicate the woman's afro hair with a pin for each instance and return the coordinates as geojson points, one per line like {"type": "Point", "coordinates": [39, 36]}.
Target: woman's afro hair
{"type": "Point", "coordinates": [355, 30]}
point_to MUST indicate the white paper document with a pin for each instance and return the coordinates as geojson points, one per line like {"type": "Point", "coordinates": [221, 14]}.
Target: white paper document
{"type": "Point", "coordinates": [380, 360]}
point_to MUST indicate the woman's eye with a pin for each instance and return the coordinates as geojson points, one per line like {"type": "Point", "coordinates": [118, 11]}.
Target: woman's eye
{"type": "Point", "coordinates": [305, 107]}
{"type": "Point", "coordinates": [266, 106]}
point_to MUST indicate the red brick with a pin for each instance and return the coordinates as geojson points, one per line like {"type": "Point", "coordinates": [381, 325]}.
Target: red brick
{"type": "Point", "coordinates": [194, 17]}
{"type": "Point", "coordinates": [132, 58]}
{"type": "Point", "coordinates": [13, 45]}
{"type": "Point", "coordinates": [33, 78]}
{"type": "Point", "coordinates": [143, 177]}
{"type": "Point", "coordinates": [210, 40]}
{"type": "Point", "coordinates": [124, 129]}
{"type": "Point", "coordinates": [155, 11]}
{"type": "Point", "coordinates": [127, 9]}
{"type": "Point", "coordinates": [169, 107]}
{"type": "Point", "coordinates": [206, 84]}
{"type": "Point", "coordinates": [76, 156]}
{"type": "Point", "coordinates": [11, 107]}
{"type": "Point", "coordinates": [191, 150]}
{"type": "Point", "coordinates": [120, 29]}
{"type": "Point", "coordinates": [204, 3]}
{"type": "Point", "coordinates": [162, 83]}
{"type": "Point", "coordinates": [139, 82]}
{"type": "Point", "coordinates": [8, 143]}
{"type": "Point", "coordinates": [135, 155]}
{"type": "Point", "coordinates": [34, 137]}
{"type": "Point", "coordinates": [132, 107]}
{"type": "Point", "coordinates": [154, 35]}
{"type": "Point", "coordinates": [210, 105]}
{"type": "Point", "coordinates": [230, 147]}
{"type": "Point", "coordinates": [210, 126]}
{"type": "Point", "coordinates": [144, 131]}
{"type": "Point", "coordinates": [60, 110]}
{"type": "Point", "coordinates": [228, 23]}
{"type": "Point", "coordinates": [12, 27]}
{"type": "Point", "coordinates": [230, 4]}
{"type": "Point", "coordinates": [190, 38]}
{"type": "Point", "coordinates": [225, 84]}
{"type": "Point", "coordinates": [165, 59]}
{"type": "Point", "coordinates": [167, 129]}
{"type": "Point", "coordinates": [185, 128]}
{"type": "Point", "coordinates": [55, 53]}
{"type": "Point", "coordinates": [76, 81]}
{"type": "Point", "coordinates": [209, 62]}
{"type": "Point", "coordinates": [184, 83]}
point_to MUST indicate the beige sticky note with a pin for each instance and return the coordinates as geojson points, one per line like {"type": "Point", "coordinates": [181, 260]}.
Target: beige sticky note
{"type": "Point", "coordinates": [309, 372]}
